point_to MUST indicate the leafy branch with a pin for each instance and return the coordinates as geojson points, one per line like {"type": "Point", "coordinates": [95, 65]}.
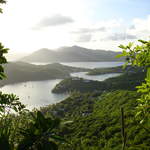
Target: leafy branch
{"type": "Point", "coordinates": [139, 55]}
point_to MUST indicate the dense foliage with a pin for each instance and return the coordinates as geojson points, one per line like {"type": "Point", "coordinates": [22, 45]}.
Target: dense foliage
{"type": "Point", "coordinates": [129, 80]}
{"type": "Point", "coordinates": [99, 71]}
{"type": "Point", "coordinates": [94, 121]}
{"type": "Point", "coordinates": [139, 55]}
{"type": "Point", "coordinates": [39, 134]}
{"type": "Point", "coordinates": [91, 121]}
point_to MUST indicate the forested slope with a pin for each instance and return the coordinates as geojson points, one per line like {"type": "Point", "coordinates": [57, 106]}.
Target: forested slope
{"type": "Point", "coordinates": [21, 72]}
{"type": "Point", "coordinates": [95, 121]}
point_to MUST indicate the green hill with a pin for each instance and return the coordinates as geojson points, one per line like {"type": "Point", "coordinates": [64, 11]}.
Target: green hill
{"type": "Point", "coordinates": [94, 121]}
{"type": "Point", "coordinates": [128, 80]}
{"type": "Point", "coordinates": [119, 69]}
{"type": "Point", "coordinates": [21, 71]}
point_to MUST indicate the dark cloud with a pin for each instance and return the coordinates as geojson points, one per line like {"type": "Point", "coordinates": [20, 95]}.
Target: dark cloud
{"type": "Point", "coordinates": [55, 20]}
{"type": "Point", "coordinates": [121, 36]}
{"type": "Point", "coordinates": [85, 38]}
{"type": "Point", "coordinates": [89, 30]}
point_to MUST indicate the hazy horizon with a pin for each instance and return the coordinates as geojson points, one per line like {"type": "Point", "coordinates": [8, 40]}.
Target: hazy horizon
{"type": "Point", "coordinates": [15, 56]}
{"type": "Point", "coordinates": [96, 24]}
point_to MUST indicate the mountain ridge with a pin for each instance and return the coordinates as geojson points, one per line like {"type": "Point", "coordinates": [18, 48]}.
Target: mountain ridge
{"type": "Point", "coordinates": [17, 72]}
{"type": "Point", "coordinates": [71, 54]}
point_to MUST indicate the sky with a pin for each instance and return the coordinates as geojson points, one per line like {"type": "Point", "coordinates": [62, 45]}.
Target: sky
{"type": "Point", "coordinates": [29, 25]}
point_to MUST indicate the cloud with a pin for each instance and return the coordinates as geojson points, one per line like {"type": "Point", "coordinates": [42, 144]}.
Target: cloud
{"type": "Point", "coordinates": [141, 27]}
{"type": "Point", "coordinates": [89, 30]}
{"type": "Point", "coordinates": [120, 36]}
{"type": "Point", "coordinates": [85, 35]}
{"type": "Point", "coordinates": [84, 38]}
{"type": "Point", "coordinates": [132, 27]}
{"type": "Point", "coordinates": [55, 20]}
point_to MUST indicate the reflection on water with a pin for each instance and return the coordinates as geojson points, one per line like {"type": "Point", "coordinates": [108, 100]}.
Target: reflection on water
{"type": "Point", "coordinates": [35, 93]}
{"type": "Point", "coordinates": [41, 63]}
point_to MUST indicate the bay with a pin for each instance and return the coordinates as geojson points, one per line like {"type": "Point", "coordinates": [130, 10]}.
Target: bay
{"type": "Point", "coordinates": [89, 65]}
{"type": "Point", "coordinates": [92, 65]}
{"type": "Point", "coordinates": [35, 94]}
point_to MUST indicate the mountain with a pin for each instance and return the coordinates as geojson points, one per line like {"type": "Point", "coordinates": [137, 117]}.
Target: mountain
{"type": "Point", "coordinates": [21, 72]}
{"type": "Point", "coordinates": [71, 54]}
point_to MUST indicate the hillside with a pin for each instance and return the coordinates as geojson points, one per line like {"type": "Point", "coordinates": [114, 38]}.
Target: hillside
{"type": "Point", "coordinates": [78, 84]}
{"type": "Point", "coordinates": [71, 54]}
{"type": "Point", "coordinates": [93, 121]}
{"type": "Point", "coordinates": [20, 72]}
{"type": "Point", "coordinates": [93, 118]}
{"type": "Point", "coordinates": [127, 80]}
{"type": "Point", "coordinates": [119, 69]}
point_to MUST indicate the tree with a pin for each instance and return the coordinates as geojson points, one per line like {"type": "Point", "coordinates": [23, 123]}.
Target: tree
{"type": "Point", "coordinates": [8, 103]}
{"type": "Point", "coordinates": [37, 135]}
{"type": "Point", "coordinates": [2, 2]}
{"type": "Point", "coordinates": [40, 134]}
{"type": "Point", "coordinates": [139, 55]}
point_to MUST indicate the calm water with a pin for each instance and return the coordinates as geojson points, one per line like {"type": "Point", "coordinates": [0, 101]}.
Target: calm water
{"type": "Point", "coordinates": [89, 65]}
{"type": "Point", "coordinates": [94, 77]}
{"type": "Point", "coordinates": [92, 65]}
{"type": "Point", "coordinates": [35, 93]}
{"type": "Point", "coordinates": [38, 93]}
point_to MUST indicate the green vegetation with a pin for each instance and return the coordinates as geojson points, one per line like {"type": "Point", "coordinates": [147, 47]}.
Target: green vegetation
{"type": "Point", "coordinates": [139, 55]}
{"type": "Point", "coordinates": [2, 2]}
{"type": "Point", "coordinates": [23, 130]}
{"type": "Point", "coordinates": [99, 71]}
{"type": "Point", "coordinates": [29, 131]}
{"type": "Point", "coordinates": [77, 84]}
{"type": "Point", "coordinates": [119, 69]}
{"type": "Point", "coordinates": [128, 80]}
{"type": "Point", "coordinates": [90, 121]}
{"type": "Point", "coordinates": [39, 134]}
{"type": "Point", "coordinates": [94, 121]}
{"type": "Point", "coordinates": [20, 72]}
{"type": "Point", "coordinates": [95, 118]}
